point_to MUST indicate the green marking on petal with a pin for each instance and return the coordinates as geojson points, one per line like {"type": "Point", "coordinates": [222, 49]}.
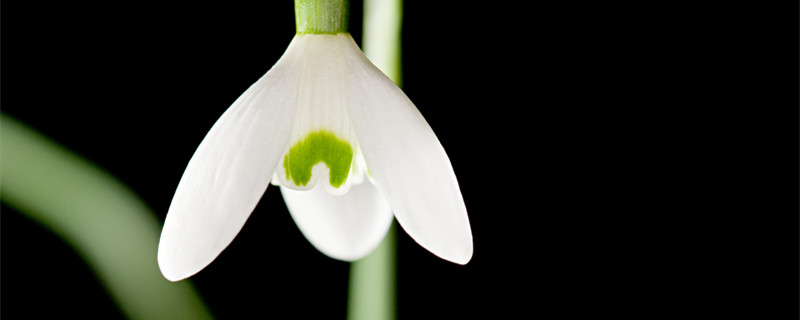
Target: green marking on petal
{"type": "Point", "coordinates": [318, 146]}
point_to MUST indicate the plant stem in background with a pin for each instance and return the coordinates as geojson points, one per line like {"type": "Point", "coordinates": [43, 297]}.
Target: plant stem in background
{"type": "Point", "coordinates": [373, 279]}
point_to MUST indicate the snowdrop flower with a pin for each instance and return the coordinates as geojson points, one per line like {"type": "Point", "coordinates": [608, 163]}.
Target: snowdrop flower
{"type": "Point", "coordinates": [346, 146]}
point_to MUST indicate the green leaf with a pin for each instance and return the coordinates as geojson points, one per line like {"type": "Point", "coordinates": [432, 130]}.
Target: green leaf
{"type": "Point", "coordinates": [104, 221]}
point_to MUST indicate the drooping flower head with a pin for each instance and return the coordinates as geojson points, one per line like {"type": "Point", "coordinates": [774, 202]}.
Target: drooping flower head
{"type": "Point", "coordinates": [346, 146]}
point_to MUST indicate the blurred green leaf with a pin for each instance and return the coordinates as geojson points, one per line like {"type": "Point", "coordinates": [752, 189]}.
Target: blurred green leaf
{"type": "Point", "coordinates": [104, 221]}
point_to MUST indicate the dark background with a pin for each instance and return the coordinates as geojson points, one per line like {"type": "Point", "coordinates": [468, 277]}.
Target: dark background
{"type": "Point", "coordinates": [615, 160]}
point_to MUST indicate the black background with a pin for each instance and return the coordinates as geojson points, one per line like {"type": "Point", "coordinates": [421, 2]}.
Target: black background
{"type": "Point", "coordinates": [615, 160]}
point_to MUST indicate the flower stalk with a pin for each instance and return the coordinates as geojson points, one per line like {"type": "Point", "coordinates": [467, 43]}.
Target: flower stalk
{"type": "Point", "coordinates": [321, 16]}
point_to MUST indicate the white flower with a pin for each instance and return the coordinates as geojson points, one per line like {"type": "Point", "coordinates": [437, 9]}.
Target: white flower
{"type": "Point", "coordinates": [346, 146]}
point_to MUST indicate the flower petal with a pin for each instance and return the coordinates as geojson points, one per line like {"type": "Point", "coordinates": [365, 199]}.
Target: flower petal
{"type": "Point", "coordinates": [345, 227]}
{"type": "Point", "coordinates": [407, 161]}
{"type": "Point", "coordinates": [230, 171]}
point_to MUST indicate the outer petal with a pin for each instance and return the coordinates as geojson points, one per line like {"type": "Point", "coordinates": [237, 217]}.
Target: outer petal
{"type": "Point", "coordinates": [345, 227]}
{"type": "Point", "coordinates": [229, 172]}
{"type": "Point", "coordinates": [407, 161]}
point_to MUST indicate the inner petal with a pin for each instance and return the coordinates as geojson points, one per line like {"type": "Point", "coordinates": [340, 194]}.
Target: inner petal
{"type": "Point", "coordinates": [323, 143]}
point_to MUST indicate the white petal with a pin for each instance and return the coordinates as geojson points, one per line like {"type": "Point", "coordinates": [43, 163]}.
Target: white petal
{"type": "Point", "coordinates": [345, 227]}
{"type": "Point", "coordinates": [407, 161]}
{"type": "Point", "coordinates": [229, 172]}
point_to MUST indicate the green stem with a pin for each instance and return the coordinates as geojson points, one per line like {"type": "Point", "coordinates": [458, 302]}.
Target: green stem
{"type": "Point", "coordinates": [382, 27]}
{"type": "Point", "coordinates": [373, 278]}
{"type": "Point", "coordinates": [321, 16]}
{"type": "Point", "coordinates": [372, 283]}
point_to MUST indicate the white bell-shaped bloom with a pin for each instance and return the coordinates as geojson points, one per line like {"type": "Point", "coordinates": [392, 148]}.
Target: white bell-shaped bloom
{"type": "Point", "coordinates": [347, 148]}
